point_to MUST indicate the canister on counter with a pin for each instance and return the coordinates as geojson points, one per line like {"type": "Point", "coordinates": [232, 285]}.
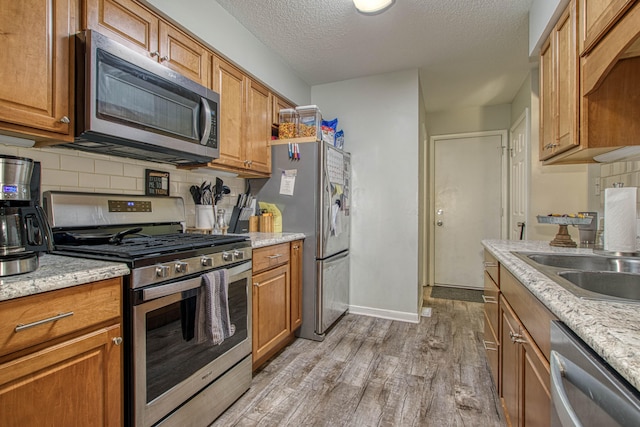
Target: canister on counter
{"type": "Point", "coordinates": [266, 223]}
{"type": "Point", "coordinates": [253, 223]}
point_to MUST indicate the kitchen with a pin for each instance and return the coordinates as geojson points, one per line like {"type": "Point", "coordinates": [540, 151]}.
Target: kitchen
{"type": "Point", "coordinates": [64, 170]}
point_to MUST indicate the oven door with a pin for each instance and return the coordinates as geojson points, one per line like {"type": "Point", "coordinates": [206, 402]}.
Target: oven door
{"type": "Point", "coordinates": [169, 367]}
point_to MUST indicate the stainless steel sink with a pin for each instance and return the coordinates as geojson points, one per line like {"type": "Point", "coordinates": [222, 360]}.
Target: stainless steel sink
{"type": "Point", "coordinates": [619, 285]}
{"type": "Point", "coordinates": [589, 276]}
{"type": "Point", "coordinates": [588, 262]}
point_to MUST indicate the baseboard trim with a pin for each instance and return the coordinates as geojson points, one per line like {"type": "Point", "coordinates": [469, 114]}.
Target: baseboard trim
{"type": "Point", "coordinates": [385, 314]}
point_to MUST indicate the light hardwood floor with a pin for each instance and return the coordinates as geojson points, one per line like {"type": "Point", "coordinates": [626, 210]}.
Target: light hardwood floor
{"type": "Point", "coordinates": [377, 372]}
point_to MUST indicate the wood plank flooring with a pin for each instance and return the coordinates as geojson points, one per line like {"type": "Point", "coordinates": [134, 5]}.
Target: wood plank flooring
{"type": "Point", "coordinates": [377, 372]}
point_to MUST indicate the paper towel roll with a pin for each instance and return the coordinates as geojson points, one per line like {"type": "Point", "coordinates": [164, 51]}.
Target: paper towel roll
{"type": "Point", "coordinates": [620, 219]}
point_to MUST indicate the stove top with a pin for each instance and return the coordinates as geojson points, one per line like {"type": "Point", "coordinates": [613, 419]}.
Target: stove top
{"type": "Point", "coordinates": [141, 246]}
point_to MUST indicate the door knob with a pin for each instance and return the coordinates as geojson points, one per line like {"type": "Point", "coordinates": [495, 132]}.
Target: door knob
{"type": "Point", "coordinates": [439, 223]}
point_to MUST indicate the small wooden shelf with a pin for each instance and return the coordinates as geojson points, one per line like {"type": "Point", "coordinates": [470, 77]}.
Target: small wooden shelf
{"type": "Point", "coordinates": [301, 140]}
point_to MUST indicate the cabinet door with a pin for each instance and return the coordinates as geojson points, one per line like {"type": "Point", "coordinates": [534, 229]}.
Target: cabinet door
{"type": "Point", "coordinates": [271, 310]}
{"type": "Point", "coordinates": [230, 83]}
{"type": "Point", "coordinates": [596, 17]}
{"type": "Point", "coordinates": [124, 21]}
{"type": "Point", "coordinates": [278, 104]}
{"type": "Point", "coordinates": [536, 376]}
{"type": "Point", "coordinates": [566, 77]}
{"type": "Point", "coordinates": [75, 383]}
{"type": "Point", "coordinates": [510, 378]}
{"type": "Point", "coordinates": [183, 54]}
{"type": "Point", "coordinates": [547, 134]}
{"type": "Point", "coordinates": [258, 128]}
{"type": "Point", "coordinates": [296, 284]}
{"type": "Point", "coordinates": [34, 53]}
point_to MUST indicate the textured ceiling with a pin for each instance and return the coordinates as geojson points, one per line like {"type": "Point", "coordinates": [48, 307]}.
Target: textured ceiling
{"type": "Point", "coordinates": [469, 52]}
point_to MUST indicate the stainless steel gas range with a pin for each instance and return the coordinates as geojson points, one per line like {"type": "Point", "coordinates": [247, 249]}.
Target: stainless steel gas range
{"type": "Point", "coordinates": [171, 377]}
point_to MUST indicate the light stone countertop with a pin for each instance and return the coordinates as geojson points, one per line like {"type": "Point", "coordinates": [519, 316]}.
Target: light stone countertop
{"type": "Point", "coordinates": [58, 272]}
{"type": "Point", "coordinates": [611, 329]}
{"type": "Point", "coordinates": [259, 240]}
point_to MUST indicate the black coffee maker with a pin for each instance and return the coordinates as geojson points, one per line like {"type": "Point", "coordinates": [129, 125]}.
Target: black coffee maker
{"type": "Point", "coordinates": [24, 231]}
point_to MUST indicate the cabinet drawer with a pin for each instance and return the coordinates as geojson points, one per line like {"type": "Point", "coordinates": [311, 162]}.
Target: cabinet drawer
{"type": "Point", "coordinates": [492, 267]}
{"type": "Point", "coordinates": [535, 317]}
{"type": "Point", "coordinates": [270, 256]}
{"type": "Point", "coordinates": [491, 295]}
{"type": "Point", "coordinates": [74, 308]}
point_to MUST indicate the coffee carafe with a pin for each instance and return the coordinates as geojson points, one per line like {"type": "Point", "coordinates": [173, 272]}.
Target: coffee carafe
{"type": "Point", "coordinates": [24, 231]}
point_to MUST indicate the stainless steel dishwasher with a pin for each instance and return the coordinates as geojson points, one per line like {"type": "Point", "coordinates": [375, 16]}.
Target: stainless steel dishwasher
{"type": "Point", "coordinates": [585, 390]}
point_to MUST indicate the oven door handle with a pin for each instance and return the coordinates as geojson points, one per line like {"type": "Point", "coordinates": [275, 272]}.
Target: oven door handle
{"type": "Point", "coordinates": [171, 288]}
{"type": "Point", "coordinates": [186, 285]}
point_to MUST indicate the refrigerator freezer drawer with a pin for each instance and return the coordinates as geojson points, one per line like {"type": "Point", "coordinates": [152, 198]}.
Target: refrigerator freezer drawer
{"type": "Point", "coordinates": [333, 290]}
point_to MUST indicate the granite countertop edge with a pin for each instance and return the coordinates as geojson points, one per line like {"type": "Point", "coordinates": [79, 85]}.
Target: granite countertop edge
{"type": "Point", "coordinates": [611, 329]}
{"type": "Point", "coordinates": [259, 240]}
{"type": "Point", "coordinates": [58, 272]}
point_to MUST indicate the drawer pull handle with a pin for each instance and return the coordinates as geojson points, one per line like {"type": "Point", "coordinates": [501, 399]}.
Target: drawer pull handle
{"type": "Point", "coordinates": [22, 327]}
{"type": "Point", "coordinates": [274, 256]}
{"type": "Point", "coordinates": [488, 264]}
{"type": "Point", "coordinates": [117, 340]}
{"type": "Point", "coordinates": [489, 346]}
{"type": "Point", "coordinates": [489, 300]}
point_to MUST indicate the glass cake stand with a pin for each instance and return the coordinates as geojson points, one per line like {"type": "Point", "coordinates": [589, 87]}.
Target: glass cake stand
{"type": "Point", "coordinates": [563, 238]}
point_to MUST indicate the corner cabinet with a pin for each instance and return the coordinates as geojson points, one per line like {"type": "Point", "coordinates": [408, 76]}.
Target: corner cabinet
{"type": "Point", "coordinates": [36, 95]}
{"type": "Point", "coordinates": [277, 298]}
{"type": "Point", "coordinates": [61, 359]}
{"type": "Point", "coordinates": [245, 121]}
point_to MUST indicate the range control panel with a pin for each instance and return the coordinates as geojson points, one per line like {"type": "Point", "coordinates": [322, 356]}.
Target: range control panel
{"type": "Point", "coordinates": [129, 206]}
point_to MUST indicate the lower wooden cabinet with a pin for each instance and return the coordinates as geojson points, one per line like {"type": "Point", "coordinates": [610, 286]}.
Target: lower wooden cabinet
{"type": "Point", "coordinates": [490, 296]}
{"type": "Point", "coordinates": [73, 378]}
{"type": "Point", "coordinates": [525, 374]}
{"type": "Point", "coordinates": [277, 298]}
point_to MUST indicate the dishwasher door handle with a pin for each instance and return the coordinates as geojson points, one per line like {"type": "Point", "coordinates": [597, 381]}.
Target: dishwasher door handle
{"type": "Point", "coordinates": [618, 408]}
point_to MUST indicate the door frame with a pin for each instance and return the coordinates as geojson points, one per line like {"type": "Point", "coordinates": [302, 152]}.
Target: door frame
{"type": "Point", "coordinates": [527, 125]}
{"type": "Point", "coordinates": [504, 199]}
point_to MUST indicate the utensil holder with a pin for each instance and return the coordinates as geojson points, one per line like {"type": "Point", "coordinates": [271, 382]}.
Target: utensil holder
{"type": "Point", "coordinates": [266, 223]}
{"type": "Point", "coordinates": [204, 216]}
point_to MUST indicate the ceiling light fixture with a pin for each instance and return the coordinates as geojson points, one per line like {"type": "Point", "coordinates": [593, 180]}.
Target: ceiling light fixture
{"type": "Point", "coordinates": [373, 7]}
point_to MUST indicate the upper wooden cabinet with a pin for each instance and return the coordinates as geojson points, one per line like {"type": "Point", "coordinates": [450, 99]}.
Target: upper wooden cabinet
{"type": "Point", "coordinates": [559, 97]}
{"type": "Point", "coordinates": [245, 121]}
{"type": "Point", "coordinates": [138, 28]}
{"type": "Point", "coordinates": [604, 116]}
{"type": "Point", "coordinates": [35, 49]}
{"type": "Point", "coordinates": [597, 17]}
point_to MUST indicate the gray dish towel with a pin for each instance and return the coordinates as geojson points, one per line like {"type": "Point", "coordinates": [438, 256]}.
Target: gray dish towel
{"type": "Point", "coordinates": [212, 323]}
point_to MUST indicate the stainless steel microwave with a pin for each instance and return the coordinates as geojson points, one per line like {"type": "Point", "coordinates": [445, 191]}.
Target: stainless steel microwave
{"type": "Point", "coordinates": [128, 105]}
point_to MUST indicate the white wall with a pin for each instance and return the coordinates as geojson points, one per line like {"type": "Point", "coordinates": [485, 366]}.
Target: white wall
{"type": "Point", "coordinates": [379, 115]}
{"type": "Point", "coordinates": [473, 119]}
{"type": "Point", "coordinates": [555, 188]}
{"type": "Point", "coordinates": [207, 20]}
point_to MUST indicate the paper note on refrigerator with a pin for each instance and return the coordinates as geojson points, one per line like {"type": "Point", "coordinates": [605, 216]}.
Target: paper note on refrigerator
{"type": "Point", "coordinates": [288, 182]}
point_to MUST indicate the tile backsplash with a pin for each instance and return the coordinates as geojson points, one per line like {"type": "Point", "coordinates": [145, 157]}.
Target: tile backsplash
{"type": "Point", "coordinates": [71, 170]}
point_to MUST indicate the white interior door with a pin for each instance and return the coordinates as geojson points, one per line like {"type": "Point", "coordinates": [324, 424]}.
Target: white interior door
{"type": "Point", "coordinates": [468, 203]}
{"type": "Point", "coordinates": [518, 177]}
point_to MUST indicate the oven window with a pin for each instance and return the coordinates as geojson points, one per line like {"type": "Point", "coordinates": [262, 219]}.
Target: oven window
{"type": "Point", "coordinates": [172, 353]}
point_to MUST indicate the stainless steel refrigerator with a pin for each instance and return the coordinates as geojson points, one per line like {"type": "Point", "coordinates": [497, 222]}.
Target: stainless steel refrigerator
{"type": "Point", "coordinates": [311, 185]}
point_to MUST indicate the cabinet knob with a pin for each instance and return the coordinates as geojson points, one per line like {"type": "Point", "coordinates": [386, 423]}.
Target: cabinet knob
{"type": "Point", "coordinates": [117, 340]}
{"type": "Point", "coordinates": [154, 54]}
{"type": "Point", "coordinates": [65, 120]}
{"type": "Point", "coordinates": [256, 284]}
{"type": "Point", "coordinates": [164, 58]}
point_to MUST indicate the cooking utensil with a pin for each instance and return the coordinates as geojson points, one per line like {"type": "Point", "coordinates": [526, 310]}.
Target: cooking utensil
{"type": "Point", "coordinates": [195, 194]}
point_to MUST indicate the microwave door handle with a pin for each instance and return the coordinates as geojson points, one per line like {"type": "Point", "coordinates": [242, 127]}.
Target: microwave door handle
{"type": "Point", "coordinates": [207, 121]}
